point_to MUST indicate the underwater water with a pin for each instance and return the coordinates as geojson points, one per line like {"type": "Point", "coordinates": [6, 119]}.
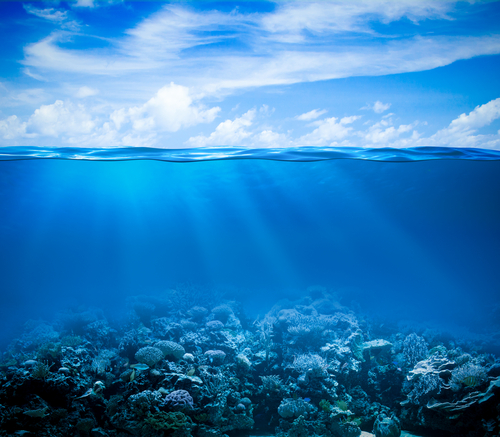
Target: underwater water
{"type": "Point", "coordinates": [403, 242]}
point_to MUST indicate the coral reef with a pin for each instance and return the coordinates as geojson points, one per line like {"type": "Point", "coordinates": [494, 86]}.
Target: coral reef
{"type": "Point", "coordinates": [193, 365]}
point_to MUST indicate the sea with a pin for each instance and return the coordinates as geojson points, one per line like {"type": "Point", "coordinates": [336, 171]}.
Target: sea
{"type": "Point", "coordinates": [407, 239]}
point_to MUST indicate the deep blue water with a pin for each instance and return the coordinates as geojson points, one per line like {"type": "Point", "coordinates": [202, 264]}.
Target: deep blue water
{"type": "Point", "coordinates": [402, 234]}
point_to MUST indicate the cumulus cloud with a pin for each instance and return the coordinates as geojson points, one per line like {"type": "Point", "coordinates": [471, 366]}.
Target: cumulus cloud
{"type": "Point", "coordinates": [227, 133]}
{"type": "Point", "coordinates": [328, 131]}
{"type": "Point", "coordinates": [311, 115]}
{"type": "Point", "coordinates": [378, 107]}
{"type": "Point", "coordinates": [12, 127]}
{"type": "Point", "coordinates": [170, 109]}
{"type": "Point", "coordinates": [269, 139]}
{"type": "Point", "coordinates": [384, 132]}
{"type": "Point", "coordinates": [461, 131]}
{"type": "Point", "coordinates": [60, 118]}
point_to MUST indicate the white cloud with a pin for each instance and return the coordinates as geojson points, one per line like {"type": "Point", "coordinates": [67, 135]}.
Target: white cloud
{"type": "Point", "coordinates": [53, 15]}
{"type": "Point", "coordinates": [461, 131]}
{"type": "Point", "coordinates": [170, 109]}
{"type": "Point", "coordinates": [86, 91]}
{"type": "Point", "coordinates": [47, 55]}
{"type": "Point", "coordinates": [12, 127]}
{"type": "Point", "coordinates": [378, 107]}
{"type": "Point", "coordinates": [270, 139]}
{"type": "Point", "coordinates": [311, 115]}
{"type": "Point", "coordinates": [295, 21]}
{"type": "Point", "coordinates": [26, 97]}
{"type": "Point", "coordinates": [160, 43]}
{"type": "Point", "coordinates": [35, 76]}
{"type": "Point", "coordinates": [47, 14]}
{"type": "Point", "coordinates": [227, 133]}
{"type": "Point", "coordinates": [384, 132]}
{"type": "Point", "coordinates": [481, 116]}
{"type": "Point", "coordinates": [328, 131]}
{"type": "Point", "coordinates": [84, 4]}
{"type": "Point", "coordinates": [60, 118]}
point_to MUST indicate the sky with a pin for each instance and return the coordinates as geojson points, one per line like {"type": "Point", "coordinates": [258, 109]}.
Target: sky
{"type": "Point", "coordinates": [363, 73]}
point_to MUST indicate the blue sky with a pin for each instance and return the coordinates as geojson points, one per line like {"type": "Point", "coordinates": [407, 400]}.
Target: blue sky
{"type": "Point", "coordinates": [366, 73]}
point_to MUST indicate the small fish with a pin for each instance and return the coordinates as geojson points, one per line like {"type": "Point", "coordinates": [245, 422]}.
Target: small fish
{"type": "Point", "coordinates": [87, 393]}
{"type": "Point", "coordinates": [307, 399]}
{"type": "Point", "coordinates": [132, 375]}
{"type": "Point", "coordinates": [191, 372]}
{"type": "Point", "coordinates": [139, 366]}
{"type": "Point", "coordinates": [471, 381]}
{"type": "Point", "coordinates": [37, 413]}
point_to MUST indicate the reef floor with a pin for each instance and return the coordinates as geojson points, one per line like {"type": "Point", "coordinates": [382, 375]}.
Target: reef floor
{"type": "Point", "coordinates": [191, 363]}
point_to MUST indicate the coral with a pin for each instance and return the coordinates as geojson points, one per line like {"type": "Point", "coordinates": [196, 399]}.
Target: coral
{"type": "Point", "coordinates": [301, 325]}
{"type": "Point", "coordinates": [170, 349]}
{"type": "Point", "coordinates": [243, 363]}
{"type": "Point", "coordinates": [266, 328]}
{"type": "Point", "coordinates": [309, 363]}
{"type": "Point", "coordinates": [214, 325]}
{"type": "Point", "coordinates": [98, 333]}
{"type": "Point", "coordinates": [283, 372]}
{"type": "Point", "coordinates": [39, 334]}
{"type": "Point", "coordinates": [222, 313]}
{"type": "Point", "coordinates": [102, 362]}
{"type": "Point", "coordinates": [164, 327]}
{"type": "Point", "coordinates": [386, 426]}
{"type": "Point", "coordinates": [357, 349]}
{"type": "Point", "coordinates": [84, 426]}
{"type": "Point", "coordinates": [468, 375]}
{"type": "Point", "coordinates": [144, 402]}
{"type": "Point", "coordinates": [215, 357]}
{"type": "Point", "coordinates": [40, 370]}
{"type": "Point", "coordinates": [71, 340]}
{"type": "Point", "coordinates": [414, 349]}
{"type": "Point", "coordinates": [325, 406]}
{"type": "Point", "coordinates": [128, 344]}
{"type": "Point", "coordinates": [425, 380]}
{"type": "Point", "coordinates": [420, 390]}
{"type": "Point", "coordinates": [178, 400]}
{"type": "Point", "coordinates": [290, 408]}
{"type": "Point", "coordinates": [299, 428]}
{"type": "Point", "coordinates": [149, 355]}
{"type": "Point", "coordinates": [167, 421]}
{"type": "Point", "coordinates": [342, 405]}
{"type": "Point", "coordinates": [271, 384]}
{"type": "Point", "coordinates": [197, 313]}
{"type": "Point", "coordinates": [214, 384]}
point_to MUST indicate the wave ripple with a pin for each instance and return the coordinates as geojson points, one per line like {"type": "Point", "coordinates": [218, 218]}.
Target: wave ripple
{"type": "Point", "coordinates": [297, 154]}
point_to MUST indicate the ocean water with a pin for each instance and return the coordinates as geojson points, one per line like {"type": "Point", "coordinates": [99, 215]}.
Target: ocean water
{"type": "Point", "coordinates": [417, 238]}
{"type": "Point", "coordinates": [400, 237]}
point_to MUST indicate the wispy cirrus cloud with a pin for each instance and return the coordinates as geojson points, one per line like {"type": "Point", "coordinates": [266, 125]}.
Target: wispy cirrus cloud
{"type": "Point", "coordinates": [249, 50]}
{"type": "Point", "coordinates": [297, 21]}
{"type": "Point", "coordinates": [311, 115]}
{"type": "Point", "coordinates": [53, 15]}
{"type": "Point", "coordinates": [50, 14]}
